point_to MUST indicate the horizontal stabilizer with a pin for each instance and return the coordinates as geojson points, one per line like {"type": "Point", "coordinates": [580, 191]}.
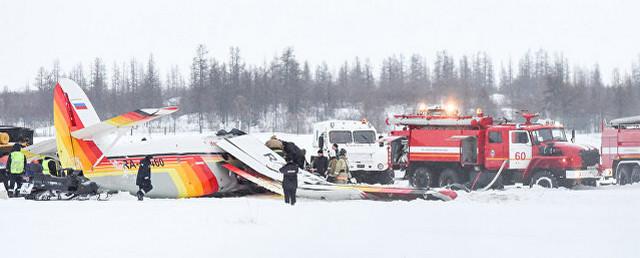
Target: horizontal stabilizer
{"type": "Point", "coordinates": [125, 120]}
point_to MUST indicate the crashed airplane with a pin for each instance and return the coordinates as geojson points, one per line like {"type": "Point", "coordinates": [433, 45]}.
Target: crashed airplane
{"type": "Point", "coordinates": [184, 166]}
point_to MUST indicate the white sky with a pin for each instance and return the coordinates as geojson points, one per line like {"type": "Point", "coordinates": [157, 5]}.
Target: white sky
{"type": "Point", "coordinates": [34, 33]}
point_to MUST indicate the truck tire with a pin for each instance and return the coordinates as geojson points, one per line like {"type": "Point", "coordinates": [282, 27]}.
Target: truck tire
{"type": "Point", "coordinates": [448, 177]}
{"type": "Point", "coordinates": [386, 177]}
{"type": "Point", "coordinates": [590, 182]}
{"type": "Point", "coordinates": [360, 177]}
{"type": "Point", "coordinates": [421, 178]}
{"type": "Point", "coordinates": [635, 174]}
{"type": "Point", "coordinates": [544, 178]}
{"type": "Point", "coordinates": [623, 175]}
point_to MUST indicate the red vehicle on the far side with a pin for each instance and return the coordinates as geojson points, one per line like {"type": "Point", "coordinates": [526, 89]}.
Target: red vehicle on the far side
{"type": "Point", "coordinates": [441, 148]}
{"type": "Point", "coordinates": [620, 148]}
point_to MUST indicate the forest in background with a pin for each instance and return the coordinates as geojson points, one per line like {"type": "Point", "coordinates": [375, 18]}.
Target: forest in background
{"type": "Point", "coordinates": [286, 93]}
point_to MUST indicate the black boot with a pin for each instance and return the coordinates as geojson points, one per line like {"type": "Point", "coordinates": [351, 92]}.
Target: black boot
{"type": "Point", "coordinates": [140, 195]}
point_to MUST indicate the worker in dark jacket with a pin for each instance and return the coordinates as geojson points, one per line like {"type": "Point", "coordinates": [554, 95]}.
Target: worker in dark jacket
{"type": "Point", "coordinates": [320, 164]}
{"type": "Point", "coordinates": [33, 167]}
{"type": "Point", "coordinates": [334, 151]}
{"type": "Point", "coordinates": [292, 151]}
{"type": "Point", "coordinates": [16, 165]}
{"type": "Point", "coordinates": [290, 181]}
{"type": "Point", "coordinates": [4, 178]}
{"type": "Point", "coordinates": [143, 180]}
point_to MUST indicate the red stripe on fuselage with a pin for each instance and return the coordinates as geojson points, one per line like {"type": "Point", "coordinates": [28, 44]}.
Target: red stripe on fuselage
{"type": "Point", "coordinates": [201, 170]}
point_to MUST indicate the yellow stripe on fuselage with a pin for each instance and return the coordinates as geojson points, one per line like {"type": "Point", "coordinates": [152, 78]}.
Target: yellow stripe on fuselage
{"type": "Point", "coordinates": [192, 188]}
{"type": "Point", "coordinates": [173, 170]}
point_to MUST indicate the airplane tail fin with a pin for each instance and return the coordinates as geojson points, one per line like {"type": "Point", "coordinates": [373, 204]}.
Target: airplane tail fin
{"type": "Point", "coordinates": [73, 111]}
{"type": "Point", "coordinates": [81, 138]}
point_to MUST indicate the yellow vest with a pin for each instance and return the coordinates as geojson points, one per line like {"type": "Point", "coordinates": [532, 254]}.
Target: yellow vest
{"type": "Point", "coordinates": [17, 162]}
{"type": "Point", "coordinates": [45, 167]}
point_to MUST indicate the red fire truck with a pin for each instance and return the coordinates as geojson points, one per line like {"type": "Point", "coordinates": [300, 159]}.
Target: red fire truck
{"type": "Point", "coordinates": [441, 148]}
{"type": "Point", "coordinates": [620, 148]}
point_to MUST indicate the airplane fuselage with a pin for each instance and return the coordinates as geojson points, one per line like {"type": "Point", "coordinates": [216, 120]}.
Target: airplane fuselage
{"type": "Point", "coordinates": [182, 166]}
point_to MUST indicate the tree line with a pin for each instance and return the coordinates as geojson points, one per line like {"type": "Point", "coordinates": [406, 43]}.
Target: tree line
{"type": "Point", "coordinates": [288, 94]}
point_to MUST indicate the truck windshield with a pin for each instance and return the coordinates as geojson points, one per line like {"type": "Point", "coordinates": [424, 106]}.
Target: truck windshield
{"type": "Point", "coordinates": [549, 134]}
{"type": "Point", "coordinates": [364, 136]}
{"type": "Point", "coordinates": [340, 137]}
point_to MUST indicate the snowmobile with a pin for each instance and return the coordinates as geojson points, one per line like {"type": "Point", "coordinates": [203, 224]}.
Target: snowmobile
{"type": "Point", "coordinates": [71, 185]}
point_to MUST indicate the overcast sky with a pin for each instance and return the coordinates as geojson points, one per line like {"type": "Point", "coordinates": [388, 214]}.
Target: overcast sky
{"type": "Point", "coordinates": [34, 33]}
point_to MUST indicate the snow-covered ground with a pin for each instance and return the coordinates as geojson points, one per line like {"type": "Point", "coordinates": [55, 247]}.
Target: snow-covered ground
{"type": "Point", "coordinates": [584, 222]}
{"type": "Point", "coordinates": [589, 222]}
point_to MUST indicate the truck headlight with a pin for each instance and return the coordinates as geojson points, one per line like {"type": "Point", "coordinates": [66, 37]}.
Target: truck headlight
{"type": "Point", "coordinates": [380, 166]}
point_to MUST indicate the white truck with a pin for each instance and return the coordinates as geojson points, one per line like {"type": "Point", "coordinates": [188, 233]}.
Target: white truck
{"type": "Point", "coordinates": [367, 156]}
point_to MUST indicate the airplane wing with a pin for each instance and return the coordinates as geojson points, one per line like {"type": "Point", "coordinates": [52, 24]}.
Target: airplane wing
{"type": "Point", "coordinates": [125, 120]}
{"type": "Point", "coordinates": [36, 151]}
{"type": "Point", "coordinates": [256, 155]}
{"type": "Point", "coordinates": [256, 178]}
{"type": "Point", "coordinates": [264, 164]}
{"type": "Point", "coordinates": [322, 192]}
{"type": "Point", "coordinates": [43, 148]}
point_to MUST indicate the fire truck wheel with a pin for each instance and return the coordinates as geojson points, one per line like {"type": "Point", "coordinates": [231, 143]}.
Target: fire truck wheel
{"type": "Point", "coordinates": [421, 178]}
{"type": "Point", "coordinates": [590, 182]}
{"type": "Point", "coordinates": [635, 174]}
{"type": "Point", "coordinates": [545, 179]}
{"type": "Point", "coordinates": [448, 177]}
{"type": "Point", "coordinates": [623, 175]}
{"type": "Point", "coordinates": [386, 177]}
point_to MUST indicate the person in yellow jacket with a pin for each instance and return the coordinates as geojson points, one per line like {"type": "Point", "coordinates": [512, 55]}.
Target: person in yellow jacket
{"type": "Point", "coordinates": [331, 176]}
{"type": "Point", "coordinates": [49, 167]}
{"type": "Point", "coordinates": [340, 170]}
{"type": "Point", "coordinates": [16, 163]}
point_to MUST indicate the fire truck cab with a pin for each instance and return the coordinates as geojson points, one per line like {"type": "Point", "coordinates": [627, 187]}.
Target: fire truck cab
{"type": "Point", "coordinates": [445, 148]}
{"type": "Point", "coordinates": [620, 148]}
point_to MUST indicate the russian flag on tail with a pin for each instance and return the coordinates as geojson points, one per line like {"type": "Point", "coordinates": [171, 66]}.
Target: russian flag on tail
{"type": "Point", "coordinates": [80, 105]}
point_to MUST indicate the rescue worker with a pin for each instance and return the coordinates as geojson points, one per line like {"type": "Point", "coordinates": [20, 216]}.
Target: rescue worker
{"type": "Point", "coordinates": [320, 164]}
{"type": "Point", "coordinates": [290, 180]}
{"type": "Point", "coordinates": [334, 150]}
{"type": "Point", "coordinates": [16, 165]}
{"type": "Point", "coordinates": [49, 167]}
{"type": "Point", "coordinates": [33, 167]}
{"type": "Point", "coordinates": [331, 172]}
{"type": "Point", "coordinates": [4, 178]}
{"type": "Point", "coordinates": [306, 164]}
{"type": "Point", "coordinates": [341, 170]}
{"type": "Point", "coordinates": [295, 153]}
{"type": "Point", "coordinates": [275, 145]}
{"type": "Point", "coordinates": [143, 180]}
